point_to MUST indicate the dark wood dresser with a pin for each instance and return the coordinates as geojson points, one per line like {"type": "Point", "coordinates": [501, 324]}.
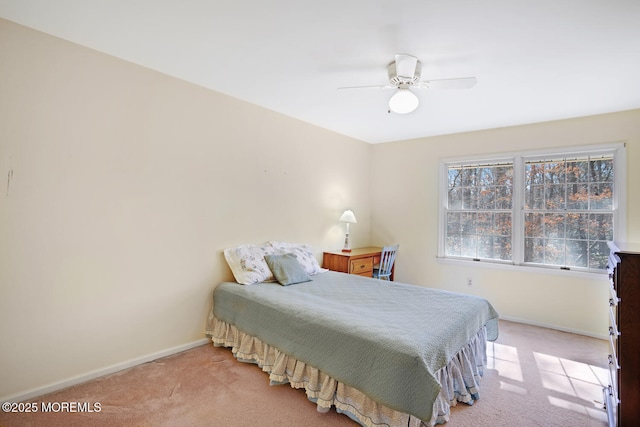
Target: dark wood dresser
{"type": "Point", "coordinates": [622, 396]}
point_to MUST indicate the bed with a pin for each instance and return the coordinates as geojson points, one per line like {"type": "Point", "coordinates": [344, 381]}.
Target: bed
{"type": "Point", "coordinates": [383, 353]}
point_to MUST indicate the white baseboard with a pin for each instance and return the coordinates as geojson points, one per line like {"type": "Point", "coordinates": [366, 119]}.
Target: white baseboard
{"type": "Point", "coordinates": [49, 388]}
{"type": "Point", "coordinates": [557, 328]}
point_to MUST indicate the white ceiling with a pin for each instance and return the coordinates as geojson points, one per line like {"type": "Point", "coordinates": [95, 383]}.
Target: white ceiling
{"type": "Point", "coordinates": [534, 60]}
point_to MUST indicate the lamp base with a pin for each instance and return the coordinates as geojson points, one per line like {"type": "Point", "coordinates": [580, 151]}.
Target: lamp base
{"type": "Point", "coordinates": [346, 248]}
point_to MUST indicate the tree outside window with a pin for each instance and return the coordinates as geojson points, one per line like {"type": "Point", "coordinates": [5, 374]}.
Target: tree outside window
{"type": "Point", "coordinates": [568, 212]}
{"type": "Point", "coordinates": [479, 214]}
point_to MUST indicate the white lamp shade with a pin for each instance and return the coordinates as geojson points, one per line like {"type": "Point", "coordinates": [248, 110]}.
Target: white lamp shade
{"type": "Point", "coordinates": [348, 216]}
{"type": "Point", "coordinates": [403, 101]}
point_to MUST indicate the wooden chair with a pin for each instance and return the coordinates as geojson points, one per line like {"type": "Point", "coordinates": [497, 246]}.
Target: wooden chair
{"type": "Point", "coordinates": [387, 258]}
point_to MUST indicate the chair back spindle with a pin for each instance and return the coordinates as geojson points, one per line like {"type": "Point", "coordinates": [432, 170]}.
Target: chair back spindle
{"type": "Point", "coordinates": [387, 258]}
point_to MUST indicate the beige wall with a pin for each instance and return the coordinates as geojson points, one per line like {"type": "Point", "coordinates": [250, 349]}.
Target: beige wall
{"type": "Point", "coordinates": [120, 189]}
{"type": "Point", "coordinates": [405, 211]}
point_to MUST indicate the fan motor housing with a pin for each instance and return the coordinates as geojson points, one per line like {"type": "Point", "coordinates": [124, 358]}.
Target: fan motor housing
{"type": "Point", "coordinates": [396, 80]}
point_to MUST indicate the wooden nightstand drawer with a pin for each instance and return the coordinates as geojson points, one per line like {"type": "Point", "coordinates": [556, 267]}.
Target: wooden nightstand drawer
{"type": "Point", "coordinates": [361, 265]}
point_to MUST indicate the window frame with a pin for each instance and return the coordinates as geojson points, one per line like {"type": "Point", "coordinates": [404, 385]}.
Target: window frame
{"type": "Point", "coordinates": [617, 150]}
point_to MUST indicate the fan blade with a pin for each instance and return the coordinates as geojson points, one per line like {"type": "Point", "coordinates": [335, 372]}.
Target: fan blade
{"type": "Point", "coordinates": [367, 87]}
{"type": "Point", "coordinates": [457, 83]}
{"type": "Point", "coordinates": [406, 66]}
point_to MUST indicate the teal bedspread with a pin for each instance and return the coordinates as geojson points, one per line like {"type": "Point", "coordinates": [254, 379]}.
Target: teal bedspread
{"type": "Point", "coordinates": [387, 339]}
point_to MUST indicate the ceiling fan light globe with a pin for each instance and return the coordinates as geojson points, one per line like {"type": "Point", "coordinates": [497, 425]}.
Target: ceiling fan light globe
{"type": "Point", "coordinates": [403, 102]}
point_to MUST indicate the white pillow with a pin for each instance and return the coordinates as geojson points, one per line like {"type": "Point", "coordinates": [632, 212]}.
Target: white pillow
{"type": "Point", "coordinates": [303, 254]}
{"type": "Point", "coordinates": [247, 263]}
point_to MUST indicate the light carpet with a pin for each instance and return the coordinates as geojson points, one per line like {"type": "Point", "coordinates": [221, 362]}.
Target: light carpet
{"type": "Point", "coordinates": [535, 377]}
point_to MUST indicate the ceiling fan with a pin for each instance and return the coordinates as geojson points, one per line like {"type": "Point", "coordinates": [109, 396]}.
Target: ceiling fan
{"type": "Point", "coordinates": [404, 73]}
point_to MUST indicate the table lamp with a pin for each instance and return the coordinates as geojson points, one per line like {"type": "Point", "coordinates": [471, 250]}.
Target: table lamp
{"type": "Point", "coordinates": [348, 217]}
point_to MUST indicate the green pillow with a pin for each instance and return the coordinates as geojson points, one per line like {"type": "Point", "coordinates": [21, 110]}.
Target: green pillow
{"type": "Point", "coordinates": [286, 269]}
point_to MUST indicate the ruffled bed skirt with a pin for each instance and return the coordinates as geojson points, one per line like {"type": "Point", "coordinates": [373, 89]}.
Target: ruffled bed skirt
{"type": "Point", "coordinates": [459, 379]}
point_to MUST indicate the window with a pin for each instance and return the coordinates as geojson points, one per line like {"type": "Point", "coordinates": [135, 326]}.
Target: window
{"type": "Point", "coordinates": [555, 209]}
{"type": "Point", "coordinates": [480, 211]}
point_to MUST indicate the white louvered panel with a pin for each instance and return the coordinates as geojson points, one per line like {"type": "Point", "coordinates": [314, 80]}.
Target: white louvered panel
{"type": "Point", "coordinates": [614, 295]}
{"type": "Point", "coordinates": [613, 378]}
{"type": "Point", "coordinates": [610, 406]}
{"type": "Point", "coordinates": [612, 321]}
{"type": "Point", "coordinates": [613, 346]}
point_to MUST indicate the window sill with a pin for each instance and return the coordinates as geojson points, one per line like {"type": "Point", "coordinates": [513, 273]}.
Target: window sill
{"type": "Point", "coordinates": [521, 268]}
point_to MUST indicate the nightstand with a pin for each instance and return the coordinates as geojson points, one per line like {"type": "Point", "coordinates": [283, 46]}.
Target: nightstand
{"type": "Point", "coordinates": [359, 261]}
